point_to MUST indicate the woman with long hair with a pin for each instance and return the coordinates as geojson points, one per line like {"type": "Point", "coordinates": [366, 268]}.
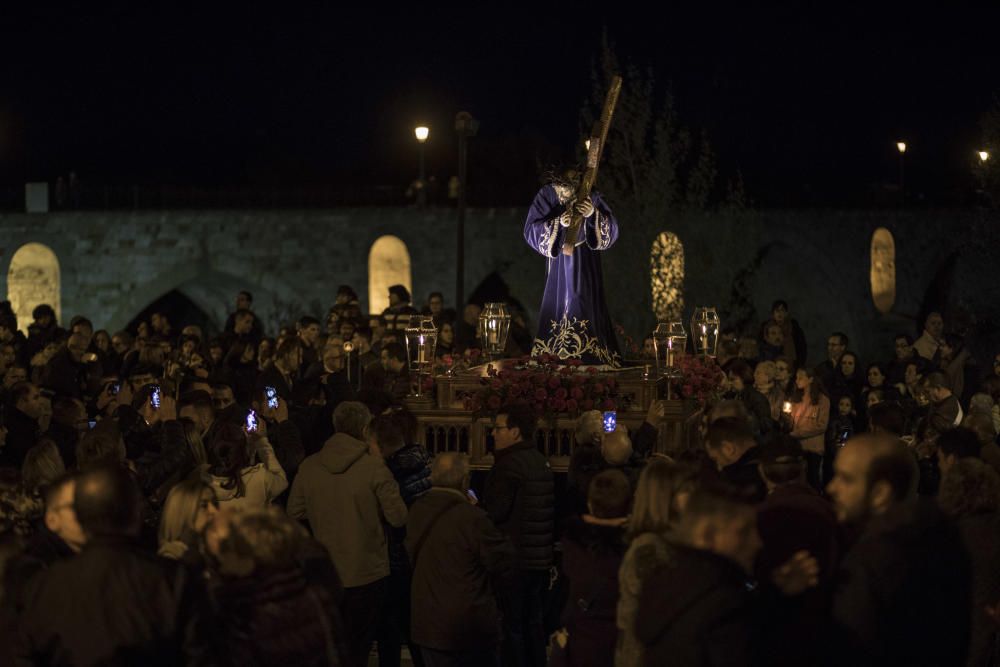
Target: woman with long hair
{"type": "Point", "coordinates": [236, 479]}
{"type": "Point", "coordinates": [809, 418]}
{"type": "Point", "coordinates": [660, 496]}
{"type": "Point", "coordinates": [190, 505]}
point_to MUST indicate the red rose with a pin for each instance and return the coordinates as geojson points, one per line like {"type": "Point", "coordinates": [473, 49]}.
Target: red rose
{"type": "Point", "coordinates": [599, 387]}
{"type": "Point", "coordinates": [577, 393]}
{"type": "Point", "coordinates": [551, 403]}
{"type": "Point", "coordinates": [592, 370]}
{"type": "Point", "coordinates": [494, 402]}
{"type": "Point", "coordinates": [571, 405]}
{"type": "Point", "coordinates": [574, 362]}
{"type": "Point", "coordinates": [561, 393]}
{"type": "Point", "coordinates": [607, 404]}
{"type": "Point", "coordinates": [514, 391]}
{"type": "Point", "coordinates": [541, 394]}
{"type": "Point", "coordinates": [588, 404]}
{"type": "Point", "coordinates": [560, 405]}
{"type": "Point", "coordinates": [553, 382]}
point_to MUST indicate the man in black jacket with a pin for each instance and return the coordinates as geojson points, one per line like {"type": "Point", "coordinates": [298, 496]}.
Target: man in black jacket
{"type": "Point", "coordinates": [731, 446]}
{"type": "Point", "coordinates": [113, 604]}
{"type": "Point", "coordinates": [26, 407]}
{"type": "Point", "coordinates": [903, 592]}
{"type": "Point", "coordinates": [519, 497]}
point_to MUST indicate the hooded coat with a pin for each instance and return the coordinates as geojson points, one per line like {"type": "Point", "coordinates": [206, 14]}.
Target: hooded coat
{"type": "Point", "coordinates": [344, 492]}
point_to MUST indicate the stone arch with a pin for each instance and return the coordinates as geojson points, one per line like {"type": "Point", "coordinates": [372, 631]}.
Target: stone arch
{"type": "Point", "coordinates": [33, 278]}
{"type": "Point", "coordinates": [666, 272]}
{"type": "Point", "coordinates": [211, 291]}
{"type": "Point", "coordinates": [883, 270]}
{"type": "Point", "coordinates": [388, 264]}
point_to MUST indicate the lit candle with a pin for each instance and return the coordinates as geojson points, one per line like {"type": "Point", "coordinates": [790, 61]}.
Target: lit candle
{"type": "Point", "coordinates": [786, 407]}
{"type": "Point", "coordinates": [421, 351]}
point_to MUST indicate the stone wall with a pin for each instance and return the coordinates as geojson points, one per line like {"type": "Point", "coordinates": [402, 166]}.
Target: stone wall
{"type": "Point", "coordinates": [113, 264]}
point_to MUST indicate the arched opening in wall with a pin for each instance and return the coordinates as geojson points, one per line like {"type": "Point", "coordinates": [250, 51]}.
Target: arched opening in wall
{"type": "Point", "coordinates": [33, 279]}
{"type": "Point", "coordinates": [388, 264]}
{"type": "Point", "coordinates": [883, 270]}
{"type": "Point", "coordinates": [666, 274]}
{"type": "Point", "coordinates": [180, 311]}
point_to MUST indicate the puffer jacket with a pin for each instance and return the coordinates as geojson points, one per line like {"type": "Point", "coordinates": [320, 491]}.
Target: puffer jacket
{"type": "Point", "coordinates": [410, 467]}
{"type": "Point", "coordinates": [520, 498]}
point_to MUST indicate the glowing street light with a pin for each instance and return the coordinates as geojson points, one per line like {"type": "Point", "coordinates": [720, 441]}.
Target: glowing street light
{"type": "Point", "coordinates": [421, 133]}
{"type": "Point", "coordinates": [984, 156]}
{"type": "Point", "coordinates": [901, 146]}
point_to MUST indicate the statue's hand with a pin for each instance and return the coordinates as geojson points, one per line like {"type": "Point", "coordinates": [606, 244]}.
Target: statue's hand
{"type": "Point", "coordinates": [584, 208]}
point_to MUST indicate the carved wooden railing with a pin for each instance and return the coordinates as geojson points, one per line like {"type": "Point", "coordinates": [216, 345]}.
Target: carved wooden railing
{"type": "Point", "coordinates": [446, 426]}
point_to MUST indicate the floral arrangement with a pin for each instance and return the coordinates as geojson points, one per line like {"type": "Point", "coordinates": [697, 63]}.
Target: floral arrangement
{"type": "Point", "coordinates": [701, 378]}
{"type": "Point", "coordinates": [548, 385]}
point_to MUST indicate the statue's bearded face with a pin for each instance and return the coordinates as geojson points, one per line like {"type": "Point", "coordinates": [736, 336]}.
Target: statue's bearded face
{"type": "Point", "coordinates": [564, 192]}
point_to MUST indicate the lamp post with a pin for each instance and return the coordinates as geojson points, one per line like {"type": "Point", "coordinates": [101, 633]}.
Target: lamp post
{"type": "Point", "coordinates": [466, 126]}
{"type": "Point", "coordinates": [983, 156]}
{"type": "Point", "coordinates": [901, 147]}
{"type": "Point", "coordinates": [421, 133]}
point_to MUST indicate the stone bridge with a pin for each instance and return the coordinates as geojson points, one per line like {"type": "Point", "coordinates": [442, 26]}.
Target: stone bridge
{"type": "Point", "coordinates": [112, 265]}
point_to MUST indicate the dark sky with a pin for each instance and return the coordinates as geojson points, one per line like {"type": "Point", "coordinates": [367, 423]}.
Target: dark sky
{"type": "Point", "coordinates": [807, 107]}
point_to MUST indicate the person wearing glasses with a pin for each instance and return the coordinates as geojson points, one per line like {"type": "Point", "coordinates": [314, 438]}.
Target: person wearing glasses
{"type": "Point", "coordinates": [519, 498]}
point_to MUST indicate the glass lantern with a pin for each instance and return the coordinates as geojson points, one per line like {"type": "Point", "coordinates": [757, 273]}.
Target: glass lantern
{"type": "Point", "coordinates": [494, 326]}
{"type": "Point", "coordinates": [669, 343]}
{"type": "Point", "coordinates": [705, 326]}
{"type": "Point", "coordinates": [421, 343]}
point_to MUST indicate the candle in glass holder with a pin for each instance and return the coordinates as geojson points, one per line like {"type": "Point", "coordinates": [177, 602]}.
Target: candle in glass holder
{"type": "Point", "coordinates": [421, 351]}
{"type": "Point", "coordinates": [786, 407]}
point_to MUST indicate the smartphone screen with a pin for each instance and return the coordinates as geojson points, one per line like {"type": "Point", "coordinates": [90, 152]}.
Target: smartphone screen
{"type": "Point", "coordinates": [472, 494]}
{"type": "Point", "coordinates": [610, 421]}
{"type": "Point", "coordinates": [92, 423]}
{"type": "Point", "coordinates": [272, 397]}
{"type": "Point", "coordinates": [114, 388]}
{"type": "Point", "coordinates": [155, 397]}
{"type": "Point", "coordinates": [252, 421]}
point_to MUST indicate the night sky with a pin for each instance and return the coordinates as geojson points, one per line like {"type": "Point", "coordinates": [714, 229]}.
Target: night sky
{"type": "Point", "coordinates": [807, 107]}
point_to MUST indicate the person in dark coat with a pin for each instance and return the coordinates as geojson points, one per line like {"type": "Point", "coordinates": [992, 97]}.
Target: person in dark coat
{"type": "Point", "coordinates": [410, 467]}
{"type": "Point", "coordinates": [902, 594]}
{"type": "Point", "coordinates": [519, 498]}
{"type": "Point", "coordinates": [459, 560]}
{"type": "Point", "coordinates": [794, 517]}
{"type": "Point", "coordinates": [593, 548]}
{"type": "Point", "coordinates": [970, 493]}
{"type": "Point", "coordinates": [698, 609]}
{"type": "Point", "coordinates": [731, 446]}
{"type": "Point", "coordinates": [114, 603]}
{"type": "Point", "coordinates": [60, 537]}
{"type": "Point", "coordinates": [758, 407]}
{"type": "Point", "coordinates": [25, 408]}
{"type": "Point", "coordinates": [270, 612]}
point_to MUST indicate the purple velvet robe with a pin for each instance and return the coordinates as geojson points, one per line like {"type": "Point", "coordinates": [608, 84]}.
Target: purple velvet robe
{"type": "Point", "coordinates": [573, 322]}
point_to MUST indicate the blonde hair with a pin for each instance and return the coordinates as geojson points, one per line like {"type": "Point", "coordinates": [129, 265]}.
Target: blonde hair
{"type": "Point", "coordinates": [180, 509]}
{"type": "Point", "coordinates": [655, 507]}
{"type": "Point", "coordinates": [42, 465]}
{"type": "Point", "coordinates": [589, 425]}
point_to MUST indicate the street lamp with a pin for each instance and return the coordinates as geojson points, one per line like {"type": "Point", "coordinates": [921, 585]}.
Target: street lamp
{"type": "Point", "coordinates": [984, 156]}
{"type": "Point", "coordinates": [421, 133]}
{"type": "Point", "coordinates": [901, 147]}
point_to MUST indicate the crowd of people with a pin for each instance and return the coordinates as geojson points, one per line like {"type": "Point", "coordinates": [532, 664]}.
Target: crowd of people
{"type": "Point", "coordinates": [170, 498]}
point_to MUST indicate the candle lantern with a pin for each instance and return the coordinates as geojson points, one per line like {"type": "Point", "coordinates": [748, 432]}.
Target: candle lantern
{"type": "Point", "coordinates": [421, 343]}
{"type": "Point", "coordinates": [494, 326]}
{"type": "Point", "coordinates": [705, 327]}
{"type": "Point", "coordinates": [669, 344]}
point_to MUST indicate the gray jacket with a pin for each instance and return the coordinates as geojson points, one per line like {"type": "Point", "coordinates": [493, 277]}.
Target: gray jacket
{"type": "Point", "coordinates": [344, 492]}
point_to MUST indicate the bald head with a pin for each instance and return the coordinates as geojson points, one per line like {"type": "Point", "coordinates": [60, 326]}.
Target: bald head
{"type": "Point", "coordinates": [107, 502]}
{"type": "Point", "coordinates": [616, 448]}
{"type": "Point", "coordinates": [450, 470]}
{"type": "Point", "coordinates": [873, 472]}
